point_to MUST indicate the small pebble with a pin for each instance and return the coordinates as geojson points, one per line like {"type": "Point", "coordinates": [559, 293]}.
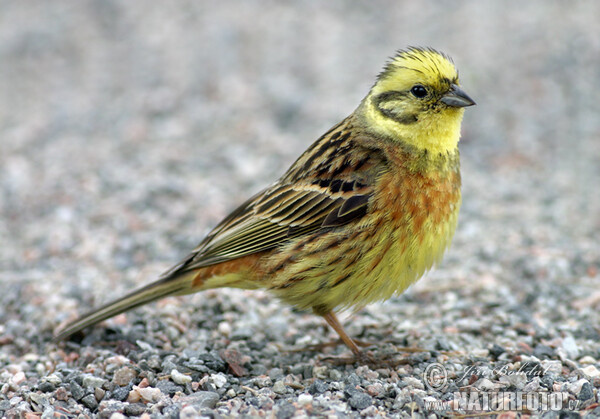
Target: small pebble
{"type": "Point", "coordinates": [180, 378]}
{"type": "Point", "coordinates": [318, 387]}
{"type": "Point", "coordinates": [335, 375]}
{"type": "Point", "coordinates": [485, 384]}
{"type": "Point", "coordinates": [62, 394]}
{"type": "Point", "coordinates": [149, 394]}
{"type": "Point", "coordinates": [121, 393]}
{"type": "Point", "coordinates": [352, 380]}
{"type": "Point", "coordinates": [480, 353]}
{"type": "Point", "coordinates": [413, 382]}
{"type": "Point", "coordinates": [124, 376]}
{"type": "Point", "coordinates": [552, 367]}
{"type": "Point", "coordinates": [570, 347]}
{"type": "Point", "coordinates": [587, 360]}
{"type": "Point", "coordinates": [99, 393]}
{"type": "Point", "coordinates": [590, 372]}
{"type": "Point", "coordinates": [219, 380]}
{"type": "Point", "coordinates": [375, 390]}
{"type": "Point", "coordinates": [224, 328]}
{"type": "Point", "coordinates": [134, 396]}
{"type": "Point", "coordinates": [76, 390]}
{"type": "Point", "coordinates": [291, 381]}
{"type": "Point", "coordinates": [46, 387]}
{"type": "Point", "coordinates": [92, 381]}
{"type": "Point", "coordinates": [19, 378]}
{"type": "Point", "coordinates": [146, 394]}
{"type": "Point", "coordinates": [543, 352]}
{"type": "Point", "coordinates": [144, 383]}
{"type": "Point", "coordinates": [275, 373]}
{"type": "Point", "coordinates": [116, 361]}
{"type": "Point", "coordinates": [242, 334]}
{"type": "Point", "coordinates": [533, 385]}
{"type": "Point", "coordinates": [517, 380]}
{"type": "Point", "coordinates": [305, 399]}
{"type": "Point", "coordinates": [135, 409]}
{"type": "Point", "coordinates": [201, 399]}
{"type": "Point", "coordinates": [90, 402]}
{"type": "Point", "coordinates": [53, 379]}
{"type": "Point", "coordinates": [320, 372]}
{"type": "Point", "coordinates": [188, 412]}
{"type": "Point", "coordinates": [367, 373]}
{"type": "Point", "coordinates": [263, 381]}
{"type": "Point", "coordinates": [172, 411]}
{"type": "Point", "coordinates": [360, 401]}
{"type": "Point", "coordinates": [168, 387]}
{"type": "Point", "coordinates": [496, 350]}
{"type": "Point", "coordinates": [369, 412]}
{"type": "Point", "coordinates": [307, 372]}
{"type": "Point", "coordinates": [13, 368]}
{"type": "Point", "coordinates": [279, 387]}
{"type": "Point", "coordinates": [38, 399]}
{"type": "Point", "coordinates": [285, 411]}
{"type": "Point", "coordinates": [575, 387]}
{"type": "Point", "coordinates": [586, 393]}
{"type": "Point", "coordinates": [145, 346]}
{"type": "Point", "coordinates": [259, 369]}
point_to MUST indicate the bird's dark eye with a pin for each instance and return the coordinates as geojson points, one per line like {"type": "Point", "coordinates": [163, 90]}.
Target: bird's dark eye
{"type": "Point", "coordinates": [418, 91]}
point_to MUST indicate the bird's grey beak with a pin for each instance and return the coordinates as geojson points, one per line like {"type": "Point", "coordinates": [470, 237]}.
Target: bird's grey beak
{"type": "Point", "coordinates": [457, 98]}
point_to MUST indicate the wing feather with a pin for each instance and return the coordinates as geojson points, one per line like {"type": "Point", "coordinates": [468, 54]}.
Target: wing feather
{"type": "Point", "coordinates": [330, 185]}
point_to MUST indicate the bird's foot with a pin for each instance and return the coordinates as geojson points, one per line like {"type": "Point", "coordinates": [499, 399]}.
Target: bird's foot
{"type": "Point", "coordinates": [368, 358]}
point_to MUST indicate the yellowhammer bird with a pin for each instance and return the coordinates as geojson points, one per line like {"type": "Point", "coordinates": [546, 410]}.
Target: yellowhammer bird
{"type": "Point", "coordinates": [360, 216]}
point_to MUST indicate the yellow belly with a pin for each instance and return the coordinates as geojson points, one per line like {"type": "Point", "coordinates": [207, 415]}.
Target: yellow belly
{"type": "Point", "coordinates": [409, 226]}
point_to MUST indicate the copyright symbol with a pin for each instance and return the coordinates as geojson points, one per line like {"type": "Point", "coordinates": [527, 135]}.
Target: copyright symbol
{"type": "Point", "coordinates": [435, 377]}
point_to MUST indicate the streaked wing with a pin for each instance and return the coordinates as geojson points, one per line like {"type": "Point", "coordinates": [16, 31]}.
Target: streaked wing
{"type": "Point", "coordinates": [328, 186]}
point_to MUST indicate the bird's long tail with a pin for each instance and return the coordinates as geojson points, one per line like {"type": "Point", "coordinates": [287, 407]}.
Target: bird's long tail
{"type": "Point", "coordinates": [171, 285]}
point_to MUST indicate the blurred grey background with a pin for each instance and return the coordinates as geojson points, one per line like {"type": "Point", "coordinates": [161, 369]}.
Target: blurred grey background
{"type": "Point", "coordinates": [129, 128]}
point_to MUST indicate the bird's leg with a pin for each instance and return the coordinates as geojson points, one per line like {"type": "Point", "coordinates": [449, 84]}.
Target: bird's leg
{"type": "Point", "coordinates": [333, 321]}
{"type": "Point", "coordinates": [358, 356]}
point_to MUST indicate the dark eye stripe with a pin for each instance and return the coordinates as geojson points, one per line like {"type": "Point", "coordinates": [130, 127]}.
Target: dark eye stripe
{"type": "Point", "coordinates": [386, 96]}
{"type": "Point", "coordinates": [394, 95]}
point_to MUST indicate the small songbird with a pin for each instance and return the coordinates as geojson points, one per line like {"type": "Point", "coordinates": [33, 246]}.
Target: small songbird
{"type": "Point", "coordinates": [361, 215]}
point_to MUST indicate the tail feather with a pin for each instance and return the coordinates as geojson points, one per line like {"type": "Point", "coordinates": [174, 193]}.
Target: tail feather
{"type": "Point", "coordinates": [181, 284]}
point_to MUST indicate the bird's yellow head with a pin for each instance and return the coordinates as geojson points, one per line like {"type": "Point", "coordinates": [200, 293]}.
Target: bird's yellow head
{"type": "Point", "coordinates": [417, 100]}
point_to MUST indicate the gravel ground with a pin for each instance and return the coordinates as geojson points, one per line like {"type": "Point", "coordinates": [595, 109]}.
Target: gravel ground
{"type": "Point", "coordinates": [128, 130]}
